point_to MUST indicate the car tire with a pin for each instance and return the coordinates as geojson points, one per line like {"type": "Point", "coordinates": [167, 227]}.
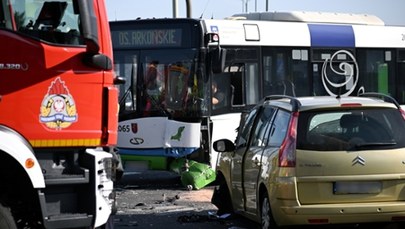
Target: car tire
{"type": "Point", "coordinates": [6, 218]}
{"type": "Point", "coordinates": [221, 198]}
{"type": "Point", "coordinates": [266, 217]}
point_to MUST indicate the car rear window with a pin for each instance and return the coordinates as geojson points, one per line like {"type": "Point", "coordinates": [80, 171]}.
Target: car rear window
{"type": "Point", "coordinates": [351, 130]}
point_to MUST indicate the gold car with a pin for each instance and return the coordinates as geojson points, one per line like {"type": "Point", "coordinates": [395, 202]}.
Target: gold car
{"type": "Point", "coordinates": [315, 160]}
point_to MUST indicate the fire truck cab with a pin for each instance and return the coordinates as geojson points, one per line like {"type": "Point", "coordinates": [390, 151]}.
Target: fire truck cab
{"type": "Point", "coordinates": [58, 114]}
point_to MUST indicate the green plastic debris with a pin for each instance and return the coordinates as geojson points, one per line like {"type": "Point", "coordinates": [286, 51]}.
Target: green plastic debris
{"type": "Point", "coordinates": [194, 175]}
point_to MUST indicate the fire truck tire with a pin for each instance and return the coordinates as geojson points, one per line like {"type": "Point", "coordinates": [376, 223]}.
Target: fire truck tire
{"type": "Point", "coordinates": [6, 218]}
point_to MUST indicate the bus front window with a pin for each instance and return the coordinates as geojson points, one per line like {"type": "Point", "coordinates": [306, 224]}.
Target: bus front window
{"type": "Point", "coordinates": [177, 86]}
{"type": "Point", "coordinates": [153, 87]}
{"type": "Point", "coordinates": [170, 85]}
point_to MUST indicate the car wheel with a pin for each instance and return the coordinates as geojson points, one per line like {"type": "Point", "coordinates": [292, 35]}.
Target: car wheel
{"type": "Point", "coordinates": [6, 218]}
{"type": "Point", "coordinates": [266, 217]}
{"type": "Point", "coordinates": [221, 198]}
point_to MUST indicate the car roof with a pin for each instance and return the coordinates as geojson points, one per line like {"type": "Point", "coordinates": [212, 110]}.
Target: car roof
{"type": "Point", "coordinates": [326, 102]}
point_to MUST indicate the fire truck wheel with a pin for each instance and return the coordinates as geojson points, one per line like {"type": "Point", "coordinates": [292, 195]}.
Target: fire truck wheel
{"type": "Point", "coordinates": [6, 218]}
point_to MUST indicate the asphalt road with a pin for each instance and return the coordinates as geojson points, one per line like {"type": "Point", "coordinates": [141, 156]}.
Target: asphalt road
{"type": "Point", "coordinates": [158, 200]}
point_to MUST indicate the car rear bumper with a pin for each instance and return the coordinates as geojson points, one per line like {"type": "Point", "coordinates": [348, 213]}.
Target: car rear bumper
{"type": "Point", "coordinates": [340, 213]}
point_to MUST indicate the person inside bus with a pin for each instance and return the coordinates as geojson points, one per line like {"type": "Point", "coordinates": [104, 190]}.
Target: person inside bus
{"type": "Point", "coordinates": [151, 77]}
{"type": "Point", "coordinates": [151, 86]}
{"type": "Point", "coordinates": [218, 96]}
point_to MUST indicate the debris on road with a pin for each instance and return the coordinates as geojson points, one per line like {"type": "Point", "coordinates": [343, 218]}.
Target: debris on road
{"type": "Point", "coordinates": [193, 175]}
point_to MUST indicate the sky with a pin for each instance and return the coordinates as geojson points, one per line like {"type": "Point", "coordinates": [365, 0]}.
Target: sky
{"type": "Point", "coordinates": [392, 12]}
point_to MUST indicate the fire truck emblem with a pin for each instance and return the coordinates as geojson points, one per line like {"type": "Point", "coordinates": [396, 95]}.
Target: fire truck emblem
{"type": "Point", "coordinates": [58, 109]}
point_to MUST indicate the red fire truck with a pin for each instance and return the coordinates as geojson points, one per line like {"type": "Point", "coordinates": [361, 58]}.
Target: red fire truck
{"type": "Point", "coordinates": [58, 114]}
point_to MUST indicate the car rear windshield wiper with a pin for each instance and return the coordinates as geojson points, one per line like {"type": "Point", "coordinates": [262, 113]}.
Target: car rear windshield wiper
{"type": "Point", "coordinates": [372, 144]}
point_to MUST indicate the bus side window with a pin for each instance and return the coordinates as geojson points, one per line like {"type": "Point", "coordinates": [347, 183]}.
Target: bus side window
{"type": "Point", "coordinates": [222, 92]}
{"type": "Point", "coordinates": [237, 89]}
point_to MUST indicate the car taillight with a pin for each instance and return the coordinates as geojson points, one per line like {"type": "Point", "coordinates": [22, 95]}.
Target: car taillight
{"type": "Point", "coordinates": [286, 156]}
{"type": "Point", "coordinates": [402, 113]}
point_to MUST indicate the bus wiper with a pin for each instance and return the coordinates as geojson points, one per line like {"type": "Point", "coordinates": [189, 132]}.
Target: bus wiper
{"type": "Point", "coordinates": [158, 105]}
{"type": "Point", "coordinates": [122, 100]}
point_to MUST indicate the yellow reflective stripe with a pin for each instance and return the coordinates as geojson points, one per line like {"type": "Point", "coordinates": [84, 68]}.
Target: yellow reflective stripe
{"type": "Point", "coordinates": [65, 142]}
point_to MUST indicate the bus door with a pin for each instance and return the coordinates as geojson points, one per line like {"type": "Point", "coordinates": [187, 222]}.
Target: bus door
{"type": "Point", "coordinates": [401, 80]}
{"type": "Point", "coordinates": [377, 71]}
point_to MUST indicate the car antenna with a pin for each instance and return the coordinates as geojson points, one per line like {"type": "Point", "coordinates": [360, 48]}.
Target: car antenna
{"type": "Point", "coordinates": [205, 7]}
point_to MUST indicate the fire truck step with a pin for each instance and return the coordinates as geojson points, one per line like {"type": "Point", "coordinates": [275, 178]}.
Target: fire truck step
{"type": "Point", "coordinates": [73, 220]}
{"type": "Point", "coordinates": [61, 179]}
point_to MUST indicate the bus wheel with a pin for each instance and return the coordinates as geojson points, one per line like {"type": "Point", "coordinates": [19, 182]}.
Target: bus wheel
{"type": "Point", "coordinates": [6, 218]}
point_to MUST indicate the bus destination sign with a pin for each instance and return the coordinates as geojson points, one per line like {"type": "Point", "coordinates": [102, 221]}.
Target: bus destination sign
{"type": "Point", "coordinates": [147, 38]}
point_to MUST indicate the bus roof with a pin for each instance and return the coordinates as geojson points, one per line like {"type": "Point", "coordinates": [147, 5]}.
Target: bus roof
{"type": "Point", "coordinates": [306, 16]}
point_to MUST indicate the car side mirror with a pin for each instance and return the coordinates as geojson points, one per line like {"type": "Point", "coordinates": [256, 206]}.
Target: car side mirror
{"type": "Point", "coordinates": [224, 145]}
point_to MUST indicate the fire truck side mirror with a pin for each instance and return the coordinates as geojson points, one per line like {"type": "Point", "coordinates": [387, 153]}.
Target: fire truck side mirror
{"type": "Point", "coordinates": [88, 23]}
{"type": "Point", "coordinates": [99, 61]}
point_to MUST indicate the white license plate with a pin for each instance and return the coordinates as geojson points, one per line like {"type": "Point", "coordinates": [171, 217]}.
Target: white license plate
{"type": "Point", "coordinates": [363, 187]}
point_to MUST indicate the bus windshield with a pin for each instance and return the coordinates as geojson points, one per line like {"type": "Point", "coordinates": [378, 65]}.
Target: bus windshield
{"type": "Point", "coordinates": [167, 83]}
{"type": "Point", "coordinates": [51, 21]}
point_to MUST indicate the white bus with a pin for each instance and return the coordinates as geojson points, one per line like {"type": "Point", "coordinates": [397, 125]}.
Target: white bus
{"type": "Point", "coordinates": [166, 108]}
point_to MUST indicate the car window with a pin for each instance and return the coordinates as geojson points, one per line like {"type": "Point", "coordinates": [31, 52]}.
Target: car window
{"type": "Point", "coordinates": [262, 124]}
{"type": "Point", "coordinates": [351, 129]}
{"type": "Point", "coordinates": [245, 127]}
{"type": "Point", "coordinates": [279, 128]}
